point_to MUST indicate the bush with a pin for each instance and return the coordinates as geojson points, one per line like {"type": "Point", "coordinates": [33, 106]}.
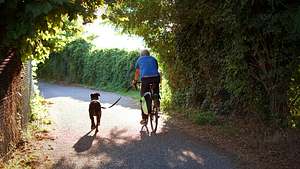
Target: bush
{"type": "Point", "coordinates": [203, 118]}
{"type": "Point", "coordinates": [77, 63]}
{"type": "Point", "coordinates": [248, 49]}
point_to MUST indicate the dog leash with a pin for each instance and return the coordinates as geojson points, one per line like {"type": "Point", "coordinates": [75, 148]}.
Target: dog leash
{"type": "Point", "coordinates": [112, 104]}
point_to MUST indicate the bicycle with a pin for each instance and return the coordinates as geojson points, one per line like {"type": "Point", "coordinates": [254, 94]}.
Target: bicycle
{"type": "Point", "coordinates": [152, 106]}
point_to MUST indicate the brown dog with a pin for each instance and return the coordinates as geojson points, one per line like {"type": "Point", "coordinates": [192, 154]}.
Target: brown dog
{"type": "Point", "coordinates": [95, 110]}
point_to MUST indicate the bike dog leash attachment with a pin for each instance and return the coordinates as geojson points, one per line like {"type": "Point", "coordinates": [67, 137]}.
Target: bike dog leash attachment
{"type": "Point", "coordinates": [113, 103]}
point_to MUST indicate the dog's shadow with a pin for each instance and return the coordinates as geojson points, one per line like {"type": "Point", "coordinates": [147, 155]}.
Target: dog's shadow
{"type": "Point", "coordinates": [85, 142]}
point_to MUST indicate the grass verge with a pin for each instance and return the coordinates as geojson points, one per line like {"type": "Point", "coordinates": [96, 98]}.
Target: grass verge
{"type": "Point", "coordinates": [197, 116]}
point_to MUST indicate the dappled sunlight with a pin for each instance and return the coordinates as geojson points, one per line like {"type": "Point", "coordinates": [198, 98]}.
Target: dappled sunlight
{"type": "Point", "coordinates": [118, 149]}
{"type": "Point", "coordinates": [189, 154]}
{"type": "Point", "coordinates": [118, 136]}
{"type": "Point", "coordinates": [121, 141]}
{"type": "Point", "coordinates": [184, 156]}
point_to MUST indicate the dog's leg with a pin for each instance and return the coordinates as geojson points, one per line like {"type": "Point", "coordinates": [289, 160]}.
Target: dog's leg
{"type": "Point", "coordinates": [98, 121]}
{"type": "Point", "coordinates": [92, 124]}
{"type": "Point", "coordinates": [92, 121]}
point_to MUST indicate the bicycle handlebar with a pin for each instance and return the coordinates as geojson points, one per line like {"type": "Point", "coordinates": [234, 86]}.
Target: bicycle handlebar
{"type": "Point", "coordinates": [131, 86]}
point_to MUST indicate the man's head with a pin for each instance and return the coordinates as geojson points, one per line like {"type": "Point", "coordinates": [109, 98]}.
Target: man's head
{"type": "Point", "coordinates": [145, 52]}
{"type": "Point", "coordinates": [95, 96]}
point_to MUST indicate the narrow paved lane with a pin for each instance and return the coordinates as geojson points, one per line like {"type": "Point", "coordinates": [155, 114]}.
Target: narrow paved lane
{"type": "Point", "coordinates": [119, 142]}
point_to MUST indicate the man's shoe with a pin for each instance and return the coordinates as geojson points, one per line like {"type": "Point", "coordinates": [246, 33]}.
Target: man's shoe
{"type": "Point", "coordinates": [143, 122]}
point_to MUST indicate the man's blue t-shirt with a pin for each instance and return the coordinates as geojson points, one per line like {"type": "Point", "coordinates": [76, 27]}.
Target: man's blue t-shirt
{"type": "Point", "coordinates": [148, 66]}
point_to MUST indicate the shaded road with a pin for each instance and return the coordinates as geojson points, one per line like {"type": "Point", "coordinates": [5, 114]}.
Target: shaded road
{"type": "Point", "coordinates": [119, 143]}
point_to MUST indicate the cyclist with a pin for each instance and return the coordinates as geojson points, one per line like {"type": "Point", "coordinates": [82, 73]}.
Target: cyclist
{"type": "Point", "coordinates": [146, 68]}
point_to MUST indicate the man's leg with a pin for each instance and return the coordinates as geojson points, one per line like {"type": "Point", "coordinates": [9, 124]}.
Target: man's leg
{"type": "Point", "coordinates": [144, 89]}
{"type": "Point", "coordinates": [156, 81]}
{"type": "Point", "coordinates": [156, 94]}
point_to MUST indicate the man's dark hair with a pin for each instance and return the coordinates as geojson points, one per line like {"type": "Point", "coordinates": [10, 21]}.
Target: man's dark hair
{"type": "Point", "coordinates": [145, 52]}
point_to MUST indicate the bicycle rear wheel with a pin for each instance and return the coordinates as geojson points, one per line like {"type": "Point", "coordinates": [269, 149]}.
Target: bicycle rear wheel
{"type": "Point", "coordinates": [154, 119]}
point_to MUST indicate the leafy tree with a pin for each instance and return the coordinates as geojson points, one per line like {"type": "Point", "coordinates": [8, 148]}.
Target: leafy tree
{"type": "Point", "coordinates": [28, 25]}
{"type": "Point", "coordinates": [227, 56]}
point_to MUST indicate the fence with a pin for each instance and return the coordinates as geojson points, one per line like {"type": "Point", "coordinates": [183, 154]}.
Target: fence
{"type": "Point", "coordinates": [15, 91]}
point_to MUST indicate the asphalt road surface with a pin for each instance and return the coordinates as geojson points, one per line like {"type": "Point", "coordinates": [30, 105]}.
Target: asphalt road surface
{"type": "Point", "coordinates": [120, 143]}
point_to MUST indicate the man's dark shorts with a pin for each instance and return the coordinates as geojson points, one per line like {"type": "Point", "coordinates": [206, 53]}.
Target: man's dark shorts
{"type": "Point", "coordinates": [145, 87]}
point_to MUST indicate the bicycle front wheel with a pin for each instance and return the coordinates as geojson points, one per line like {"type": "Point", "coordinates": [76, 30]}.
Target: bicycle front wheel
{"type": "Point", "coordinates": [154, 119]}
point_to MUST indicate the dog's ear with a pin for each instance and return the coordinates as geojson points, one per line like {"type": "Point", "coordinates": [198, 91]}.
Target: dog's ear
{"type": "Point", "coordinates": [98, 94]}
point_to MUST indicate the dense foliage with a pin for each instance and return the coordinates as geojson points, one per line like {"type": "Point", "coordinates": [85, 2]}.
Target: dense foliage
{"type": "Point", "coordinates": [31, 26]}
{"type": "Point", "coordinates": [78, 63]}
{"type": "Point", "coordinates": [238, 56]}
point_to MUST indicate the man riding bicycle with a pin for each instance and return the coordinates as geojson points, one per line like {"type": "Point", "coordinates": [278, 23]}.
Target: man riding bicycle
{"type": "Point", "coordinates": [147, 68]}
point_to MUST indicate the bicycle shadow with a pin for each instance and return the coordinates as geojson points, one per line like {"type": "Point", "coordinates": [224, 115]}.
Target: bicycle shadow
{"type": "Point", "coordinates": [144, 133]}
{"type": "Point", "coordinates": [85, 142]}
{"type": "Point", "coordinates": [164, 150]}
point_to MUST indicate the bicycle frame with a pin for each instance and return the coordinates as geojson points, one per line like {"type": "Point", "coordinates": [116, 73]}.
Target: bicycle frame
{"type": "Point", "coordinates": [154, 108]}
{"type": "Point", "coordinates": [153, 114]}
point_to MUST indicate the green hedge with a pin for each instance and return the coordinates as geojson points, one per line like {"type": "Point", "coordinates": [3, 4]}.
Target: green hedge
{"type": "Point", "coordinates": [228, 57]}
{"type": "Point", "coordinates": [78, 63]}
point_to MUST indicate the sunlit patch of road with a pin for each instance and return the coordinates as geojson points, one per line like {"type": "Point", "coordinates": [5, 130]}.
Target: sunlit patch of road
{"type": "Point", "coordinates": [120, 143]}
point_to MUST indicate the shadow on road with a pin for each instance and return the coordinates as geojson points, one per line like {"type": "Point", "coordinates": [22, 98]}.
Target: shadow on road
{"type": "Point", "coordinates": [159, 151]}
{"type": "Point", "coordinates": [120, 148]}
{"type": "Point", "coordinates": [85, 142]}
{"type": "Point", "coordinates": [64, 163]}
{"type": "Point", "coordinates": [144, 131]}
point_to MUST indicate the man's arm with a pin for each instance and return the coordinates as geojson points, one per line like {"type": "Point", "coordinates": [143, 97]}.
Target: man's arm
{"type": "Point", "coordinates": [136, 75]}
